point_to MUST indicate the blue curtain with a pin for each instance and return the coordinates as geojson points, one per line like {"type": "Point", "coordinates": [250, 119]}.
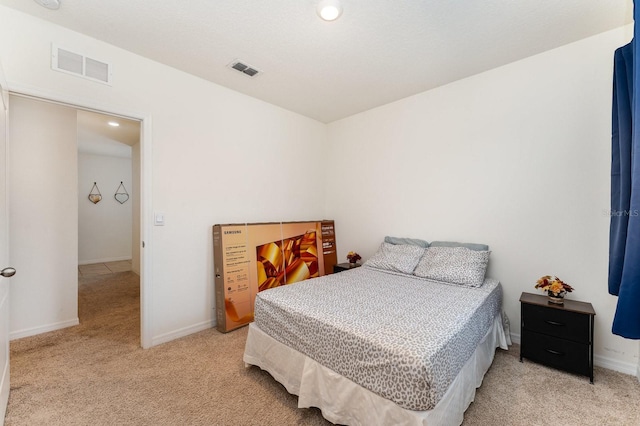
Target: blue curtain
{"type": "Point", "coordinates": [624, 236]}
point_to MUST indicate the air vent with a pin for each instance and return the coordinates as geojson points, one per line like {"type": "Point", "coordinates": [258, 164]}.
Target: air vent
{"type": "Point", "coordinates": [69, 62]}
{"type": "Point", "coordinates": [49, 4]}
{"type": "Point", "coordinates": [247, 70]}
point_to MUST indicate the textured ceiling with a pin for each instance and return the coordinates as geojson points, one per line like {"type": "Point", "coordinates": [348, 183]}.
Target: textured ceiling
{"type": "Point", "coordinates": [378, 51]}
{"type": "Point", "coordinates": [95, 136]}
{"type": "Point", "coordinates": [128, 131]}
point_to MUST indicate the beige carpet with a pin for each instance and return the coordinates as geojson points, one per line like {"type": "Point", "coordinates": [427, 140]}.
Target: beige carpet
{"type": "Point", "coordinates": [96, 374]}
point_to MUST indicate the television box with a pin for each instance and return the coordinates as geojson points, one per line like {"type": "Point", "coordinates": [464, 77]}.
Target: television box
{"type": "Point", "coordinates": [252, 257]}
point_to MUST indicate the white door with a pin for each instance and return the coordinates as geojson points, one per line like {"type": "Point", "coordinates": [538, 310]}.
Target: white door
{"type": "Point", "coordinates": [4, 253]}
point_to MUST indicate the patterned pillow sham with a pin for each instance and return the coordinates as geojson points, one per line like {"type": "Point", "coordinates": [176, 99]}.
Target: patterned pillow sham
{"type": "Point", "coordinates": [397, 258]}
{"type": "Point", "coordinates": [409, 241]}
{"type": "Point", "coordinates": [456, 265]}
{"type": "Point", "coordinates": [472, 246]}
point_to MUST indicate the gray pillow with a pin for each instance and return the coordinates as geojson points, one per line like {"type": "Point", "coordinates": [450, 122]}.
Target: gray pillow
{"type": "Point", "coordinates": [456, 265]}
{"type": "Point", "coordinates": [397, 258]}
{"type": "Point", "coordinates": [408, 241]}
{"type": "Point", "coordinates": [471, 246]}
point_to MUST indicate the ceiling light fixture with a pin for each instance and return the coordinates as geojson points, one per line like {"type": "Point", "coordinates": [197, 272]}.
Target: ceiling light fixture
{"type": "Point", "coordinates": [329, 10]}
{"type": "Point", "coordinates": [49, 4]}
{"type": "Point", "coordinates": [113, 124]}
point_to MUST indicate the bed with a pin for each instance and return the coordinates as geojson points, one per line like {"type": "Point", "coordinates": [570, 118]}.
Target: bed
{"type": "Point", "coordinates": [386, 343]}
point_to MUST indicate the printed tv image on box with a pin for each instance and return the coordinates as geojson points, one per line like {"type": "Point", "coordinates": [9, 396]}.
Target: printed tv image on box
{"type": "Point", "coordinates": [287, 261]}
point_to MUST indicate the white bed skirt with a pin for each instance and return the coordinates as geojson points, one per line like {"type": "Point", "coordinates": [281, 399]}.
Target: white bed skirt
{"type": "Point", "coordinates": [345, 402]}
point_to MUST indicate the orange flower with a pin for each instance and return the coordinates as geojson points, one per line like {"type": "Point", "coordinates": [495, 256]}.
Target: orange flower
{"type": "Point", "coordinates": [556, 287]}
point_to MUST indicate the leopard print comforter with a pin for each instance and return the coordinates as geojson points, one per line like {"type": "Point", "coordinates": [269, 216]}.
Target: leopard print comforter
{"type": "Point", "coordinates": [402, 337]}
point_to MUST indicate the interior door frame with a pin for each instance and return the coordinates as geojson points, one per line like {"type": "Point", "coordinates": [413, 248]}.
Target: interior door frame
{"type": "Point", "coordinates": [146, 250]}
{"type": "Point", "coordinates": [5, 370]}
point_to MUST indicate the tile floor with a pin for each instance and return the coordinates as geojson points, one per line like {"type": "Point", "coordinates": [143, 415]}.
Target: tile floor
{"type": "Point", "coordinates": [104, 268]}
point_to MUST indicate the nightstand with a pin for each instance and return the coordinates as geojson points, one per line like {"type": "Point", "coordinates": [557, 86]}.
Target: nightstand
{"type": "Point", "coordinates": [344, 267]}
{"type": "Point", "coordinates": [559, 336]}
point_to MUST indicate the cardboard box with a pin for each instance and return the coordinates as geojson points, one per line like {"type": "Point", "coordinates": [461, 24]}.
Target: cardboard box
{"type": "Point", "coordinates": [252, 257]}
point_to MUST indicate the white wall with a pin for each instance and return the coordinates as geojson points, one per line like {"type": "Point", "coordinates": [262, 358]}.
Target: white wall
{"type": "Point", "coordinates": [104, 229]}
{"type": "Point", "coordinates": [217, 156]}
{"type": "Point", "coordinates": [517, 157]}
{"type": "Point", "coordinates": [43, 217]}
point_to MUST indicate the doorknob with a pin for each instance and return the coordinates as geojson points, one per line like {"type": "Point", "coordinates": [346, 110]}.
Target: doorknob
{"type": "Point", "coordinates": [8, 272]}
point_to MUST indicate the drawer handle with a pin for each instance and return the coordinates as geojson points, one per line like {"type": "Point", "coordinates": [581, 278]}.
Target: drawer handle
{"type": "Point", "coordinates": [551, 351]}
{"type": "Point", "coordinates": [554, 323]}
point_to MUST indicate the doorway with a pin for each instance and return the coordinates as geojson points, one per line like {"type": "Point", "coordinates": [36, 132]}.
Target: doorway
{"type": "Point", "coordinates": [108, 188]}
{"type": "Point", "coordinates": [42, 197]}
{"type": "Point", "coordinates": [108, 201]}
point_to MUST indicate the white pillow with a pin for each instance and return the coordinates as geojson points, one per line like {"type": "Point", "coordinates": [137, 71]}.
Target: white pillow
{"type": "Point", "coordinates": [397, 258]}
{"type": "Point", "coordinates": [456, 265]}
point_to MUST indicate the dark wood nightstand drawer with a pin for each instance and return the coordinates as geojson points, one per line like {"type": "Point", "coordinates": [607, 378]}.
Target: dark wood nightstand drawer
{"type": "Point", "coordinates": [555, 352]}
{"type": "Point", "coordinates": [558, 323]}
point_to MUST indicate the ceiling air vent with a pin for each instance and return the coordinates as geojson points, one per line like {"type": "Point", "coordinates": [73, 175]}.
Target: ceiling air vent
{"type": "Point", "coordinates": [244, 68]}
{"type": "Point", "coordinates": [69, 62]}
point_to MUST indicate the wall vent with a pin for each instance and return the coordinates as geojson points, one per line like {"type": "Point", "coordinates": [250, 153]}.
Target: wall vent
{"type": "Point", "coordinates": [245, 69]}
{"type": "Point", "coordinates": [64, 60]}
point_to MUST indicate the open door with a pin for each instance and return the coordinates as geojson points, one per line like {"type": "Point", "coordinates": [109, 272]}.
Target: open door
{"type": "Point", "coordinates": [6, 271]}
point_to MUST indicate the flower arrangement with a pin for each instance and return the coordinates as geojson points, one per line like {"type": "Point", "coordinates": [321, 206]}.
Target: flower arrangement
{"type": "Point", "coordinates": [554, 286]}
{"type": "Point", "coordinates": [353, 257]}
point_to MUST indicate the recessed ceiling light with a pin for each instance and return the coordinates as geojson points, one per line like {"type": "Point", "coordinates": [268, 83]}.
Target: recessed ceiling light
{"type": "Point", "coordinates": [49, 4]}
{"type": "Point", "coordinates": [329, 10]}
{"type": "Point", "coordinates": [113, 124]}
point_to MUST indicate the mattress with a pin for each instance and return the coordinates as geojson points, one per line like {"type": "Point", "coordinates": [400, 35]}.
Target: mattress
{"type": "Point", "coordinates": [401, 337]}
{"type": "Point", "coordinates": [347, 403]}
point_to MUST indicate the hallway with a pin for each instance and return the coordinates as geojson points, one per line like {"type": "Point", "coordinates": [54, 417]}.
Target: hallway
{"type": "Point", "coordinates": [86, 271]}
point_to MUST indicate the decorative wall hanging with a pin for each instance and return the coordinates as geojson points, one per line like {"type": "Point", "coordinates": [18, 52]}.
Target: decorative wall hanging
{"type": "Point", "coordinates": [121, 194]}
{"type": "Point", "coordinates": [95, 196]}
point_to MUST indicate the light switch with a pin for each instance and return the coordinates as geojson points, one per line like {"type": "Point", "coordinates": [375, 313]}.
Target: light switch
{"type": "Point", "coordinates": [158, 219]}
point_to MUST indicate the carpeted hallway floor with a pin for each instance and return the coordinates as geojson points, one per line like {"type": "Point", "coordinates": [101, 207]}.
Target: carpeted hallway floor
{"type": "Point", "coordinates": [96, 374]}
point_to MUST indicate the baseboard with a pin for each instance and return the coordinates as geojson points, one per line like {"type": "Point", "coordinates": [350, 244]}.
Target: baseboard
{"type": "Point", "coordinates": [42, 329]}
{"type": "Point", "coordinates": [615, 365]}
{"type": "Point", "coordinates": [176, 334]}
{"type": "Point", "coordinates": [603, 361]}
{"type": "Point", "coordinates": [103, 260]}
